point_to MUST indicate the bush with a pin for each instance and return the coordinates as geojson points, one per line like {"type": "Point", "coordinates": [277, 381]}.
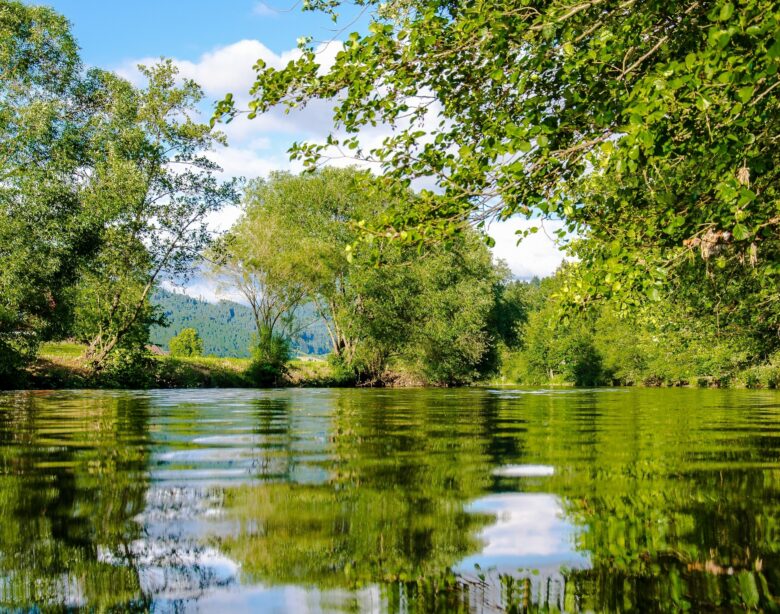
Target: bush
{"type": "Point", "coordinates": [16, 352]}
{"type": "Point", "coordinates": [340, 373]}
{"type": "Point", "coordinates": [269, 359]}
{"type": "Point", "coordinates": [129, 368]}
{"type": "Point", "coordinates": [186, 343]}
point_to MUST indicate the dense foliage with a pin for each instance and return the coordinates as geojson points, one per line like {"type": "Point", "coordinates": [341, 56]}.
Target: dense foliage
{"type": "Point", "coordinates": [104, 191]}
{"type": "Point", "coordinates": [649, 127]}
{"type": "Point", "coordinates": [157, 186]}
{"type": "Point", "coordinates": [270, 355]}
{"type": "Point", "coordinates": [656, 150]}
{"type": "Point", "coordinates": [665, 344]}
{"type": "Point", "coordinates": [426, 313]}
{"type": "Point", "coordinates": [186, 343]}
{"type": "Point", "coordinates": [45, 231]}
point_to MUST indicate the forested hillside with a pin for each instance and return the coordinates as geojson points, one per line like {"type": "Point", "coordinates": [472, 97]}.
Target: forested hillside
{"type": "Point", "coordinates": [226, 327]}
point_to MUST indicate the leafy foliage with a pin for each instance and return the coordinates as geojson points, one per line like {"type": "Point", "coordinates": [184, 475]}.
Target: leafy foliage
{"type": "Point", "coordinates": [187, 343]}
{"type": "Point", "coordinates": [104, 191]}
{"type": "Point", "coordinates": [424, 311]}
{"type": "Point", "coordinates": [665, 343]}
{"type": "Point", "coordinates": [648, 127]}
{"type": "Point", "coordinates": [158, 187]}
{"type": "Point", "coordinates": [270, 355]}
{"type": "Point", "coordinates": [45, 232]}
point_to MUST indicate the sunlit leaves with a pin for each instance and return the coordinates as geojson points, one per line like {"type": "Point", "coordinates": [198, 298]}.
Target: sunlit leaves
{"type": "Point", "coordinates": [635, 113]}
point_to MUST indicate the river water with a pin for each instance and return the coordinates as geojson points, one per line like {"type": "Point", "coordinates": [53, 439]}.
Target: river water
{"type": "Point", "coordinates": [472, 500]}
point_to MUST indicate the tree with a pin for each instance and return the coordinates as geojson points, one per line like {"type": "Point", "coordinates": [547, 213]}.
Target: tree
{"type": "Point", "coordinates": [156, 187]}
{"type": "Point", "coordinates": [186, 343]}
{"type": "Point", "coordinates": [45, 230]}
{"type": "Point", "coordinates": [427, 310]}
{"type": "Point", "coordinates": [649, 127]}
{"type": "Point", "coordinates": [248, 259]}
{"type": "Point", "coordinates": [450, 336]}
{"type": "Point", "coordinates": [293, 236]}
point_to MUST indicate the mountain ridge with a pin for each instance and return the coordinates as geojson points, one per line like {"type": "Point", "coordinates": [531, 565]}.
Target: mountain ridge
{"type": "Point", "coordinates": [227, 327]}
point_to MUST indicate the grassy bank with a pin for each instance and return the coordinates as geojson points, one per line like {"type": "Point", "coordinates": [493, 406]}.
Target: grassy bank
{"type": "Point", "coordinates": [59, 365]}
{"type": "Point", "coordinates": [515, 371]}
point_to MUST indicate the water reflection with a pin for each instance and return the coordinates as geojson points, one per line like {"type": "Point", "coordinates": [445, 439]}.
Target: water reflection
{"type": "Point", "coordinates": [530, 532]}
{"type": "Point", "coordinates": [390, 501]}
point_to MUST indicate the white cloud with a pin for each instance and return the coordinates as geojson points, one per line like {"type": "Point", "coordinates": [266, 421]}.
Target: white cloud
{"type": "Point", "coordinates": [537, 255]}
{"type": "Point", "coordinates": [261, 9]}
{"type": "Point", "coordinates": [219, 71]}
{"type": "Point", "coordinates": [530, 530]}
{"type": "Point", "coordinates": [247, 162]}
{"type": "Point", "coordinates": [224, 219]}
{"type": "Point", "coordinates": [204, 288]}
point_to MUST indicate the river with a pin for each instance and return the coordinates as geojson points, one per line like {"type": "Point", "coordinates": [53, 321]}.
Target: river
{"type": "Point", "coordinates": [473, 500]}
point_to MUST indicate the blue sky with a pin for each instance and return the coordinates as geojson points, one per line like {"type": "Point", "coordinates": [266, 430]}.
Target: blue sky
{"type": "Point", "coordinates": [112, 32]}
{"type": "Point", "coordinates": [216, 43]}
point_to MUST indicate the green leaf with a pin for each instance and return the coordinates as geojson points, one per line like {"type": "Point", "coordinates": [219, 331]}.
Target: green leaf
{"type": "Point", "coordinates": [741, 232]}
{"type": "Point", "coordinates": [726, 11]}
{"type": "Point", "coordinates": [745, 93]}
{"type": "Point", "coordinates": [654, 295]}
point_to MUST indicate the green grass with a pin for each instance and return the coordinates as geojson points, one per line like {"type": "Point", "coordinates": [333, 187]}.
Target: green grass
{"type": "Point", "coordinates": [54, 350]}
{"type": "Point", "coordinates": [59, 365]}
{"type": "Point", "coordinates": [202, 372]}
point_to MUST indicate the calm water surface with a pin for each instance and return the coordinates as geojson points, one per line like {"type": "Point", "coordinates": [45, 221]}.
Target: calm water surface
{"type": "Point", "coordinates": [390, 501]}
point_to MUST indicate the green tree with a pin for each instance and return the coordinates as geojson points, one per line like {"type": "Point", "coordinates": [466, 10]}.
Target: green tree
{"type": "Point", "coordinates": [248, 260]}
{"type": "Point", "coordinates": [427, 310]}
{"type": "Point", "coordinates": [270, 355]}
{"type": "Point", "coordinates": [186, 343]}
{"type": "Point", "coordinates": [156, 187]}
{"type": "Point", "coordinates": [451, 340]}
{"type": "Point", "coordinates": [305, 222]}
{"type": "Point", "coordinates": [649, 127]}
{"type": "Point", "coordinates": [45, 230]}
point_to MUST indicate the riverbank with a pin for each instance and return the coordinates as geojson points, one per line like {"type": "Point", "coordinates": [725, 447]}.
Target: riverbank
{"type": "Point", "coordinates": [59, 365]}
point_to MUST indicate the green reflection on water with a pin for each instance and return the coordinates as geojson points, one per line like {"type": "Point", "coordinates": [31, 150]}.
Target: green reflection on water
{"type": "Point", "coordinates": [349, 500]}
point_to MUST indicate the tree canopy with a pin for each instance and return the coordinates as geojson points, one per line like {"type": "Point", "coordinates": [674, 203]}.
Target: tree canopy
{"type": "Point", "coordinates": [104, 191]}
{"type": "Point", "coordinates": [427, 309]}
{"type": "Point", "coordinates": [650, 128]}
{"type": "Point", "coordinates": [186, 343]}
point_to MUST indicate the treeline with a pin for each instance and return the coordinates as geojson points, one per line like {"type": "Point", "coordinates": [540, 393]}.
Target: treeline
{"type": "Point", "coordinates": [395, 313]}
{"type": "Point", "coordinates": [649, 130]}
{"type": "Point", "coordinates": [661, 344]}
{"type": "Point", "coordinates": [664, 172]}
{"type": "Point", "coordinates": [105, 191]}
{"type": "Point", "coordinates": [443, 312]}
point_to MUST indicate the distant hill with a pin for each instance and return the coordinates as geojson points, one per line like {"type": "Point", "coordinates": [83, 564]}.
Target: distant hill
{"type": "Point", "coordinates": [226, 327]}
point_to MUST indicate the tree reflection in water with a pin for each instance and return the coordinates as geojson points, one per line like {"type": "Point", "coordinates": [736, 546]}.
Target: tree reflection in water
{"type": "Point", "coordinates": [345, 500]}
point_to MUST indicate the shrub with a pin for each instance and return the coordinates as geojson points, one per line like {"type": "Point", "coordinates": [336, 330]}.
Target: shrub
{"type": "Point", "coordinates": [340, 373]}
{"type": "Point", "coordinates": [186, 343]}
{"type": "Point", "coordinates": [16, 351]}
{"type": "Point", "coordinates": [270, 355]}
{"type": "Point", "coordinates": [129, 368]}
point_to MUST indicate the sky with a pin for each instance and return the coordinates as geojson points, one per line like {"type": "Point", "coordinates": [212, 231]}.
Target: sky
{"type": "Point", "coordinates": [217, 43]}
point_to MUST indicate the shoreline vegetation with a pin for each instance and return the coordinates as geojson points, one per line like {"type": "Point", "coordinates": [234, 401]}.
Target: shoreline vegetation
{"type": "Point", "coordinates": [59, 366]}
{"type": "Point", "coordinates": [662, 180]}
